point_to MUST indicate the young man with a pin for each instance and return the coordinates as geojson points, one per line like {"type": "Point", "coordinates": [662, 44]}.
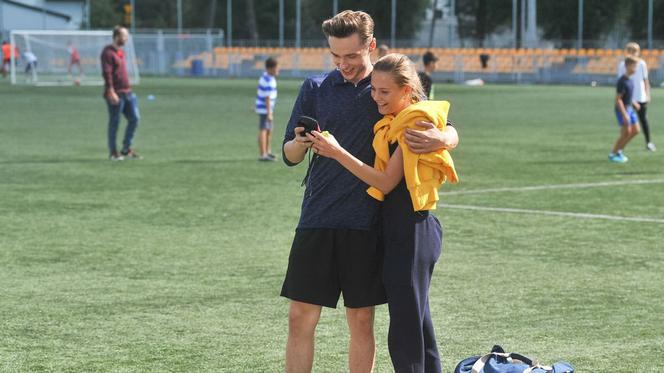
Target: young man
{"type": "Point", "coordinates": [629, 126]}
{"type": "Point", "coordinates": [335, 249]}
{"type": "Point", "coordinates": [641, 89]}
{"type": "Point", "coordinates": [118, 95]}
{"type": "Point", "coordinates": [429, 60]}
{"type": "Point", "coordinates": [266, 98]}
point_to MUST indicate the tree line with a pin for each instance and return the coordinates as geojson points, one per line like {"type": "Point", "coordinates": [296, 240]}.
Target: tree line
{"type": "Point", "coordinates": [477, 19]}
{"type": "Point", "coordinates": [558, 19]}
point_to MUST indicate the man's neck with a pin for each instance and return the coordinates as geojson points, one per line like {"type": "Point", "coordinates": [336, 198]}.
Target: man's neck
{"type": "Point", "coordinates": [367, 72]}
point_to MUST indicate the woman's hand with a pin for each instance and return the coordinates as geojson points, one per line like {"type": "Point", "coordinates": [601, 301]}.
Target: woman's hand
{"type": "Point", "coordinates": [325, 144]}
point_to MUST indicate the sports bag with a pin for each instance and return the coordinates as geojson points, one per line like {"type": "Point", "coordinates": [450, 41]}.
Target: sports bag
{"type": "Point", "coordinates": [499, 361]}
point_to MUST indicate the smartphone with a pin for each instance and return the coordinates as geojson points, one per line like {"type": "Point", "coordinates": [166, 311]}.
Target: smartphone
{"type": "Point", "coordinates": [309, 124]}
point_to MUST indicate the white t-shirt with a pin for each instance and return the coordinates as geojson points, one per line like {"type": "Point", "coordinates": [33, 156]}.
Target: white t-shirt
{"type": "Point", "coordinates": [639, 77]}
{"type": "Point", "coordinates": [29, 57]}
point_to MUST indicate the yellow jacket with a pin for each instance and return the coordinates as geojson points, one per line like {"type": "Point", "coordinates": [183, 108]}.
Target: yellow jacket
{"type": "Point", "coordinates": [424, 173]}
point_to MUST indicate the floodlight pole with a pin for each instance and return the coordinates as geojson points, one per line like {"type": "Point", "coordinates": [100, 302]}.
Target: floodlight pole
{"type": "Point", "coordinates": [298, 23]}
{"type": "Point", "coordinates": [514, 22]}
{"type": "Point", "coordinates": [650, 12]}
{"type": "Point", "coordinates": [523, 22]}
{"type": "Point", "coordinates": [532, 24]}
{"type": "Point", "coordinates": [87, 14]}
{"type": "Point", "coordinates": [2, 24]}
{"type": "Point", "coordinates": [133, 16]}
{"type": "Point", "coordinates": [281, 23]}
{"type": "Point", "coordinates": [433, 22]}
{"type": "Point", "coordinates": [229, 22]}
{"type": "Point", "coordinates": [179, 6]}
{"type": "Point", "coordinates": [393, 33]}
{"type": "Point", "coordinates": [579, 36]}
{"type": "Point", "coordinates": [335, 7]}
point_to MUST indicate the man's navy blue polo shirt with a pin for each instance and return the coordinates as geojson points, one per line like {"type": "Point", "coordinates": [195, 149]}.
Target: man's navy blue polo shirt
{"type": "Point", "coordinates": [334, 198]}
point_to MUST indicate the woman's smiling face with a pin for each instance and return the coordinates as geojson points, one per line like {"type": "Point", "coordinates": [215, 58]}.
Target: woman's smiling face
{"type": "Point", "coordinates": [389, 97]}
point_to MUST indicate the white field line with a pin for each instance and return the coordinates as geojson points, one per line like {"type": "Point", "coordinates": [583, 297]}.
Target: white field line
{"type": "Point", "coordinates": [554, 186]}
{"type": "Point", "coordinates": [553, 213]}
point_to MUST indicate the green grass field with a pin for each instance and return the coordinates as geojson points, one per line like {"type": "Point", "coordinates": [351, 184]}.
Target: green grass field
{"type": "Point", "coordinates": [174, 263]}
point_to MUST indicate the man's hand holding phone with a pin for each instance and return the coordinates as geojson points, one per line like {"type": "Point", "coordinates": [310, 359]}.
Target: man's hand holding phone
{"type": "Point", "coordinates": [296, 149]}
{"type": "Point", "coordinates": [305, 125]}
{"type": "Point", "coordinates": [301, 139]}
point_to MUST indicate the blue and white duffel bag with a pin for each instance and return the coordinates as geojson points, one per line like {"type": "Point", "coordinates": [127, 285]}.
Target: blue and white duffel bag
{"type": "Point", "coordinates": [499, 361]}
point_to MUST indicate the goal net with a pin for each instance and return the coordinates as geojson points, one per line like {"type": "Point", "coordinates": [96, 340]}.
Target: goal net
{"type": "Point", "coordinates": [54, 57]}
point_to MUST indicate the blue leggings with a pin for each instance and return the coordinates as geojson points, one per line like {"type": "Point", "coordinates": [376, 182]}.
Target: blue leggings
{"type": "Point", "coordinates": [128, 106]}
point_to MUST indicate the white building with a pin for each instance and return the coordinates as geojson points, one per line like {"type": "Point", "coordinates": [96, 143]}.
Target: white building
{"type": "Point", "coordinates": [42, 15]}
{"type": "Point", "coordinates": [444, 33]}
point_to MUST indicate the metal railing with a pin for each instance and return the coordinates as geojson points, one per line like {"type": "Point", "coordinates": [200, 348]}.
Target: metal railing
{"type": "Point", "coordinates": [205, 54]}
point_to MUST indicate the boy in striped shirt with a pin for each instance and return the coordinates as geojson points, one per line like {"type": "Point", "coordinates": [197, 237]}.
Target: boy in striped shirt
{"type": "Point", "coordinates": [265, 99]}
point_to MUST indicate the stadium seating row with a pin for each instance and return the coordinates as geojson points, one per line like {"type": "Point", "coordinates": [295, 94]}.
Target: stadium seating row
{"type": "Point", "coordinates": [458, 51]}
{"type": "Point", "coordinates": [580, 61]}
{"type": "Point", "coordinates": [608, 65]}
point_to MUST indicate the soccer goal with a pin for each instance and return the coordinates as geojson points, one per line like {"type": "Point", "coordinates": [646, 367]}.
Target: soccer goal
{"type": "Point", "coordinates": [59, 57]}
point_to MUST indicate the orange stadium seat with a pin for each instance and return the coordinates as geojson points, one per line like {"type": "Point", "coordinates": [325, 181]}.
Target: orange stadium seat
{"type": "Point", "coordinates": [446, 63]}
{"type": "Point", "coordinates": [312, 59]}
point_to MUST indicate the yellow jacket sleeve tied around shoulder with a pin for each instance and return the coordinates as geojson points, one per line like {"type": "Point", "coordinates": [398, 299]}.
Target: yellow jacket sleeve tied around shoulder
{"type": "Point", "coordinates": [424, 173]}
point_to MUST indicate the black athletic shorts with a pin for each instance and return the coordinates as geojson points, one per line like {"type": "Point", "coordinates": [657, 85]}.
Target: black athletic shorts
{"type": "Point", "coordinates": [324, 263]}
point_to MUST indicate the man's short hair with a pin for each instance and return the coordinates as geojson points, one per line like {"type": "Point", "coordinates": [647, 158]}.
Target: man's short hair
{"type": "Point", "coordinates": [271, 63]}
{"type": "Point", "coordinates": [429, 57]}
{"type": "Point", "coordinates": [117, 30]}
{"type": "Point", "coordinates": [631, 60]}
{"type": "Point", "coordinates": [350, 22]}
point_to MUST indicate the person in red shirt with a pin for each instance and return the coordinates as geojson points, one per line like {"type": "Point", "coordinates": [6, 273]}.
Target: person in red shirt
{"type": "Point", "coordinates": [6, 57]}
{"type": "Point", "coordinates": [118, 95]}
{"type": "Point", "coordinates": [74, 59]}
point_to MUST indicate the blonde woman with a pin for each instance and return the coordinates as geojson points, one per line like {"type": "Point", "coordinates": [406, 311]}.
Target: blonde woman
{"type": "Point", "coordinates": [407, 184]}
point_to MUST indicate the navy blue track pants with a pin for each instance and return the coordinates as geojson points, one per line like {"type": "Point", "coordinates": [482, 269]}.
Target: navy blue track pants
{"type": "Point", "coordinates": [413, 244]}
